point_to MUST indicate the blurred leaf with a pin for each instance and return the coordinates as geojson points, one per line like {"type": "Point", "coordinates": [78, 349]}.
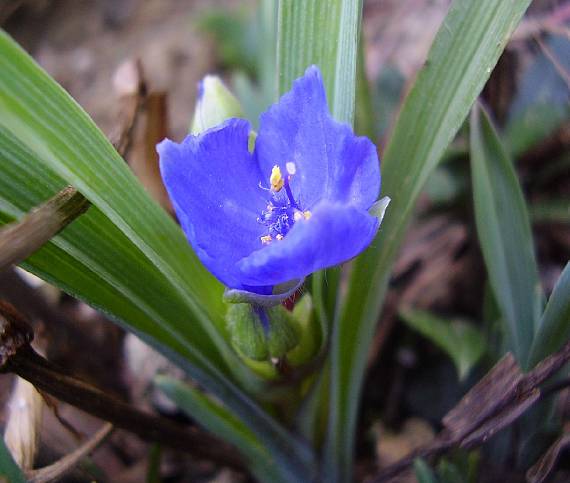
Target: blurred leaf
{"type": "Point", "coordinates": [557, 211]}
{"type": "Point", "coordinates": [542, 101]}
{"type": "Point", "coordinates": [365, 120]}
{"type": "Point", "coordinates": [8, 467]}
{"type": "Point", "coordinates": [463, 342]}
{"type": "Point", "coordinates": [256, 95]}
{"type": "Point", "coordinates": [505, 236]}
{"type": "Point", "coordinates": [235, 33]}
{"type": "Point", "coordinates": [423, 472]}
{"type": "Point", "coordinates": [325, 33]}
{"type": "Point", "coordinates": [216, 419]}
{"type": "Point", "coordinates": [465, 50]}
{"type": "Point", "coordinates": [388, 95]}
{"type": "Point", "coordinates": [554, 328]}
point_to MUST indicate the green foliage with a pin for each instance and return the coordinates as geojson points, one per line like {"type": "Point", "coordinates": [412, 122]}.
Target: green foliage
{"type": "Point", "coordinates": [504, 233]}
{"type": "Point", "coordinates": [554, 328]}
{"type": "Point", "coordinates": [459, 339]}
{"type": "Point", "coordinates": [423, 472]}
{"type": "Point", "coordinates": [9, 470]}
{"type": "Point", "coordinates": [221, 422]}
{"type": "Point", "coordinates": [126, 256]}
{"type": "Point", "coordinates": [325, 33]}
{"type": "Point", "coordinates": [465, 50]}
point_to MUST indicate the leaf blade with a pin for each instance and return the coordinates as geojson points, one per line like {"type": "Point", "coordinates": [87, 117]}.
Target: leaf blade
{"type": "Point", "coordinates": [461, 58]}
{"type": "Point", "coordinates": [504, 233]}
{"type": "Point", "coordinates": [554, 326]}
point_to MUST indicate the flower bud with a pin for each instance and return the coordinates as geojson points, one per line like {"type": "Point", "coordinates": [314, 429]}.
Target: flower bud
{"type": "Point", "coordinates": [261, 333]}
{"type": "Point", "coordinates": [214, 105]}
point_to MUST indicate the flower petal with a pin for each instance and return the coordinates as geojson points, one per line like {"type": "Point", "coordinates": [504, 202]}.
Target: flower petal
{"type": "Point", "coordinates": [331, 162]}
{"type": "Point", "coordinates": [213, 182]}
{"type": "Point", "coordinates": [334, 233]}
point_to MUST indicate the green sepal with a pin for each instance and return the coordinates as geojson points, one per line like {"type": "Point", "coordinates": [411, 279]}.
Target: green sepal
{"type": "Point", "coordinates": [262, 333]}
{"type": "Point", "coordinates": [310, 332]}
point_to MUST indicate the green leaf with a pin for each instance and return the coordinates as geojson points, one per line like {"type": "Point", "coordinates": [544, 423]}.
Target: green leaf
{"type": "Point", "coordinates": [325, 33]}
{"type": "Point", "coordinates": [504, 233]}
{"type": "Point", "coordinates": [553, 211]}
{"type": "Point", "coordinates": [9, 470]}
{"type": "Point", "coordinates": [218, 420]}
{"type": "Point", "coordinates": [126, 256]}
{"type": "Point", "coordinates": [61, 137]}
{"type": "Point", "coordinates": [423, 472]}
{"type": "Point", "coordinates": [554, 328]}
{"type": "Point", "coordinates": [465, 50]}
{"type": "Point", "coordinates": [459, 339]}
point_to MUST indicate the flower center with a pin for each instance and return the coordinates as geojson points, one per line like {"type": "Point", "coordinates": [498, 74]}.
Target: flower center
{"type": "Point", "coordinates": [282, 209]}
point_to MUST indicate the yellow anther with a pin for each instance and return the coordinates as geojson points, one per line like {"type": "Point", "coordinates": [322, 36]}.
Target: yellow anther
{"type": "Point", "coordinates": [266, 239]}
{"type": "Point", "coordinates": [307, 214]}
{"type": "Point", "coordinates": [279, 236]}
{"type": "Point", "coordinates": [276, 179]}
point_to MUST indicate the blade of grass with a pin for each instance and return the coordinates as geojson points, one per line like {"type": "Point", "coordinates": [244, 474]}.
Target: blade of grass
{"type": "Point", "coordinates": [9, 470]}
{"type": "Point", "coordinates": [504, 233]}
{"type": "Point", "coordinates": [465, 50]}
{"type": "Point", "coordinates": [218, 420]}
{"type": "Point", "coordinates": [554, 328]}
{"type": "Point", "coordinates": [35, 110]}
{"type": "Point", "coordinates": [460, 340]}
{"type": "Point", "coordinates": [325, 33]}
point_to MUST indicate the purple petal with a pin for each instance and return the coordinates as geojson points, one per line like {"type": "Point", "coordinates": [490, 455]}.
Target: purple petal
{"type": "Point", "coordinates": [213, 182]}
{"type": "Point", "coordinates": [334, 233]}
{"type": "Point", "coordinates": [331, 162]}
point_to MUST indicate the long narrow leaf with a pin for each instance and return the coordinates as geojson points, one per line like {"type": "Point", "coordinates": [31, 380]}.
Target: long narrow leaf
{"type": "Point", "coordinates": [9, 470]}
{"type": "Point", "coordinates": [126, 256]}
{"type": "Point", "coordinates": [504, 233]}
{"type": "Point", "coordinates": [554, 328]}
{"type": "Point", "coordinates": [45, 119]}
{"type": "Point", "coordinates": [216, 419]}
{"type": "Point", "coordinates": [326, 33]}
{"type": "Point", "coordinates": [465, 50]}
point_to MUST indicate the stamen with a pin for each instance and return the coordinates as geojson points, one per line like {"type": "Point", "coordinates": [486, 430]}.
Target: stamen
{"type": "Point", "coordinates": [307, 214]}
{"type": "Point", "coordinates": [279, 237]}
{"type": "Point", "coordinates": [276, 179]}
{"type": "Point", "coordinates": [290, 194]}
{"type": "Point", "coordinates": [291, 168]}
{"type": "Point", "coordinates": [266, 239]}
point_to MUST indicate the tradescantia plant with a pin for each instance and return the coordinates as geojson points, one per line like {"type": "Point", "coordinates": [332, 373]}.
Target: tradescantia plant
{"type": "Point", "coordinates": [265, 214]}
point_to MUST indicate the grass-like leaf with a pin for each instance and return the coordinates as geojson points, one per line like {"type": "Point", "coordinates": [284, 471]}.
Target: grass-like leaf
{"type": "Point", "coordinates": [326, 33]}
{"type": "Point", "coordinates": [504, 233]}
{"type": "Point", "coordinates": [465, 50]}
{"type": "Point", "coordinates": [9, 470]}
{"type": "Point", "coordinates": [554, 328]}
{"type": "Point", "coordinates": [218, 420]}
{"type": "Point", "coordinates": [126, 256]}
{"type": "Point", "coordinates": [459, 339]}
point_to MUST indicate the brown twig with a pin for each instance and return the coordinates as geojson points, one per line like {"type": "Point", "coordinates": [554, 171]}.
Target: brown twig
{"type": "Point", "coordinates": [18, 357]}
{"type": "Point", "coordinates": [19, 240]}
{"type": "Point", "coordinates": [60, 468]}
{"type": "Point", "coordinates": [498, 400]}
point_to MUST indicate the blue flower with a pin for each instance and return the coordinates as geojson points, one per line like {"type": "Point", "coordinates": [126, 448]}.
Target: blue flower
{"type": "Point", "coordinates": [297, 204]}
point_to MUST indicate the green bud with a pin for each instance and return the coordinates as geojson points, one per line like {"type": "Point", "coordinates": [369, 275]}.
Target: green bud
{"type": "Point", "coordinates": [262, 333]}
{"type": "Point", "coordinates": [214, 105]}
